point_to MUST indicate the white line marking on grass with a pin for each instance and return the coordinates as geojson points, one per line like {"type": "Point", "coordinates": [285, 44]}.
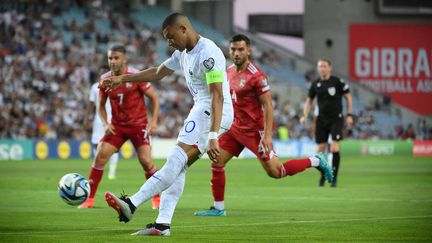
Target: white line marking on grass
{"type": "Point", "coordinates": [227, 225]}
{"type": "Point", "coordinates": [366, 199]}
{"type": "Point", "coordinates": [310, 221]}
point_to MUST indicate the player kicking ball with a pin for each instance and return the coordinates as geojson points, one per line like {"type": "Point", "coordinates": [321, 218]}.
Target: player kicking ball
{"type": "Point", "coordinates": [252, 127]}
{"type": "Point", "coordinates": [204, 67]}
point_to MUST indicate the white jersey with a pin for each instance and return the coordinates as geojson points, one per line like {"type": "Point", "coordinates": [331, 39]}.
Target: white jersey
{"type": "Point", "coordinates": [204, 57]}
{"type": "Point", "coordinates": [98, 129]}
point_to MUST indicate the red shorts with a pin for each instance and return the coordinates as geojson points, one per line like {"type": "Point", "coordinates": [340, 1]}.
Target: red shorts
{"type": "Point", "coordinates": [234, 141]}
{"type": "Point", "coordinates": [139, 136]}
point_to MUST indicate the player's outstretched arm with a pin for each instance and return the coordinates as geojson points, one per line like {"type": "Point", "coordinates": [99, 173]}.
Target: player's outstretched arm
{"type": "Point", "coordinates": [147, 75]}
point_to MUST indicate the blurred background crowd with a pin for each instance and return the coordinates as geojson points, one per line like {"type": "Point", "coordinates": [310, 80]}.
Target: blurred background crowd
{"type": "Point", "coordinates": [49, 61]}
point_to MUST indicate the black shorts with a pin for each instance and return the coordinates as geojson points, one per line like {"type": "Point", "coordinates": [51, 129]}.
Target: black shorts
{"type": "Point", "coordinates": [325, 126]}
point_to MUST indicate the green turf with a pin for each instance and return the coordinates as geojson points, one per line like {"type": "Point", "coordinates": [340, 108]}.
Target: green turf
{"type": "Point", "coordinates": [378, 199]}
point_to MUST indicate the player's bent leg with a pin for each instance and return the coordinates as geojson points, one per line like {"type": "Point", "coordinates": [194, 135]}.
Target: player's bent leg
{"type": "Point", "coordinates": [144, 157]}
{"type": "Point", "coordinates": [276, 169]}
{"type": "Point", "coordinates": [104, 152]}
{"type": "Point", "coordinates": [159, 182]}
{"type": "Point", "coordinates": [273, 167]}
{"type": "Point", "coordinates": [169, 199]}
{"type": "Point", "coordinates": [162, 179]}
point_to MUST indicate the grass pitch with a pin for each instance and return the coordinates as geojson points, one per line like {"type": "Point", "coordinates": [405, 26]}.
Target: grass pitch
{"type": "Point", "coordinates": [378, 199]}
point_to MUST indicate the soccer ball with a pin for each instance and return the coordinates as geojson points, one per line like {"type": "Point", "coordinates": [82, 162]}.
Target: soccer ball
{"type": "Point", "coordinates": [73, 188]}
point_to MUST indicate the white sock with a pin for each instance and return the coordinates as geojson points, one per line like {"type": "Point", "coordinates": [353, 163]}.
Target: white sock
{"type": "Point", "coordinates": [162, 179]}
{"type": "Point", "coordinates": [330, 158]}
{"type": "Point", "coordinates": [113, 164]}
{"type": "Point", "coordinates": [170, 198]}
{"type": "Point", "coordinates": [220, 205]}
{"type": "Point", "coordinates": [314, 161]}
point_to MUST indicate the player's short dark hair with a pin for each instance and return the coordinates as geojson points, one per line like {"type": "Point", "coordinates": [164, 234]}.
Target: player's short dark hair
{"type": "Point", "coordinates": [240, 37]}
{"type": "Point", "coordinates": [325, 60]}
{"type": "Point", "coordinates": [171, 19]}
{"type": "Point", "coordinates": [118, 48]}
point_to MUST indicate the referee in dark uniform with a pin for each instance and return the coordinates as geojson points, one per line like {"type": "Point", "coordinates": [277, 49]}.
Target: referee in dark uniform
{"type": "Point", "coordinates": [329, 91]}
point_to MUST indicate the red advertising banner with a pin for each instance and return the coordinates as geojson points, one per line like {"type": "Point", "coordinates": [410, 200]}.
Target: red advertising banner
{"type": "Point", "coordinates": [394, 59]}
{"type": "Point", "coordinates": [422, 148]}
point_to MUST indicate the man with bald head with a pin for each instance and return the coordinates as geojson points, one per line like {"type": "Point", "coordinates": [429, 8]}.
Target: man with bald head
{"type": "Point", "coordinates": [203, 65]}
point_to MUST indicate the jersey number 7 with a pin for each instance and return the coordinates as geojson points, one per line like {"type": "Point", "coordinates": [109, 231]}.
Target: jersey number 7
{"type": "Point", "coordinates": [121, 98]}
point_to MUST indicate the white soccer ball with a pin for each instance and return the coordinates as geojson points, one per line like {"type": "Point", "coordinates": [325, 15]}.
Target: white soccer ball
{"type": "Point", "coordinates": [73, 188]}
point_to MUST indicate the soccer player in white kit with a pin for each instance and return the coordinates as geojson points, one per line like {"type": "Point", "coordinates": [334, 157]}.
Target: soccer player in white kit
{"type": "Point", "coordinates": [204, 67]}
{"type": "Point", "coordinates": [98, 130]}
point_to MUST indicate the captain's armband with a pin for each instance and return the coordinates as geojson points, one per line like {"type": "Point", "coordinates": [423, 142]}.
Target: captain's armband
{"type": "Point", "coordinates": [215, 76]}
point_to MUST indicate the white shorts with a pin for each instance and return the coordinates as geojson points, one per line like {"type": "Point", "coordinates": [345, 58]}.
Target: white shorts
{"type": "Point", "coordinates": [197, 126]}
{"type": "Point", "coordinates": [97, 134]}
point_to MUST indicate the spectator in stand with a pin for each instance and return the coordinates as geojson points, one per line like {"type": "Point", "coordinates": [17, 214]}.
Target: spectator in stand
{"type": "Point", "coordinates": [409, 133]}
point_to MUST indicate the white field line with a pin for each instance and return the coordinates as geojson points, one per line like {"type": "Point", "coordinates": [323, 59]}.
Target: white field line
{"type": "Point", "coordinates": [228, 225]}
{"type": "Point", "coordinates": [320, 198]}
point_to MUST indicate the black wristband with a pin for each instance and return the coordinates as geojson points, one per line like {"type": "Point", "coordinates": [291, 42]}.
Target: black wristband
{"type": "Point", "coordinates": [350, 114]}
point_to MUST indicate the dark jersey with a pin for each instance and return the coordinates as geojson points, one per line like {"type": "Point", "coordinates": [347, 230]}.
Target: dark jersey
{"type": "Point", "coordinates": [329, 95]}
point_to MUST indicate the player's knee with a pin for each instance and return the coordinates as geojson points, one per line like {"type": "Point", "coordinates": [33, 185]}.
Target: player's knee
{"type": "Point", "coordinates": [146, 163]}
{"type": "Point", "coordinates": [273, 173]}
{"type": "Point", "coordinates": [166, 175]}
{"type": "Point", "coordinates": [334, 148]}
{"type": "Point", "coordinates": [102, 158]}
{"type": "Point", "coordinates": [321, 148]}
{"type": "Point", "coordinates": [98, 166]}
{"type": "Point", "coordinates": [218, 164]}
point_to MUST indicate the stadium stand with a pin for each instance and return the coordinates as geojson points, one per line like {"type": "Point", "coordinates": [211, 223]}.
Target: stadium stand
{"type": "Point", "coordinates": [52, 53]}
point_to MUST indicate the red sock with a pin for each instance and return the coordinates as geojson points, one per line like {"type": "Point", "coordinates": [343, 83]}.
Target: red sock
{"type": "Point", "coordinates": [218, 183]}
{"type": "Point", "coordinates": [292, 167]}
{"type": "Point", "coordinates": [94, 178]}
{"type": "Point", "coordinates": [149, 173]}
